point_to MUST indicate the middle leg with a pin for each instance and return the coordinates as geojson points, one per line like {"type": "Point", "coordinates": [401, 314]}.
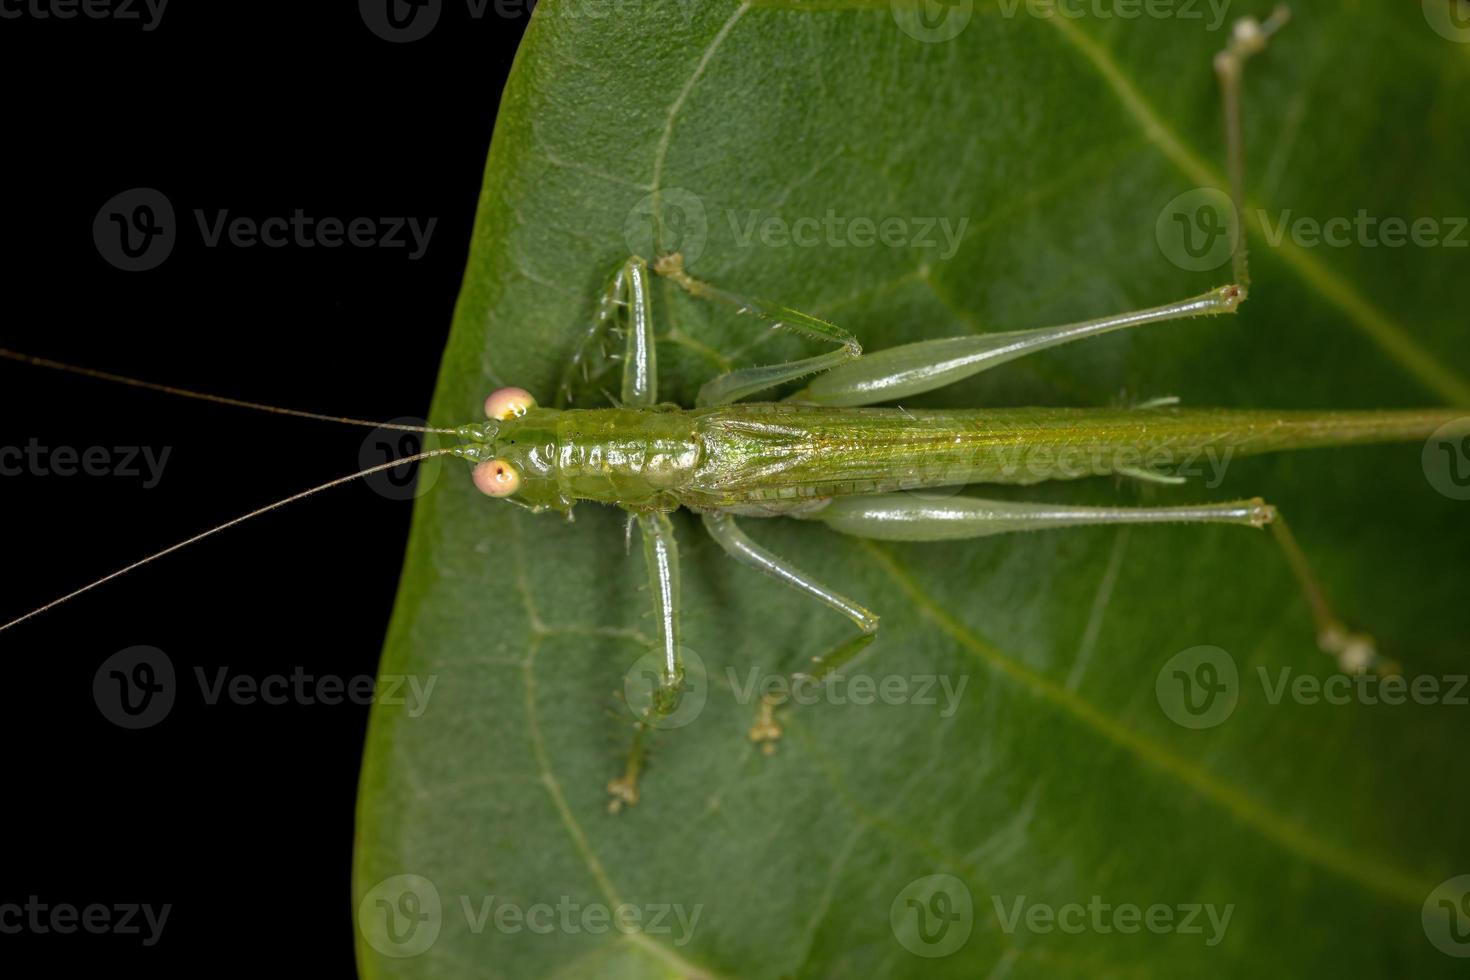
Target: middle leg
{"type": "Point", "coordinates": [660, 551]}
{"type": "Point", "coordinates": [737, 545]}
{"type": "Point", "coordinates": [661, 555]}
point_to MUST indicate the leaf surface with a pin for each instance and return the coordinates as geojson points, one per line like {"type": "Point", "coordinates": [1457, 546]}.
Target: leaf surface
{"type": "Point", "coordinates": [1048, 147]}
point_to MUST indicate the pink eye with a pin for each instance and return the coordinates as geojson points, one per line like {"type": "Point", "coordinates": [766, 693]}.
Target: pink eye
{"type": "Point", "coordinates": [496, 478]}
{"type": "Point", "coordinates": [509, 403]}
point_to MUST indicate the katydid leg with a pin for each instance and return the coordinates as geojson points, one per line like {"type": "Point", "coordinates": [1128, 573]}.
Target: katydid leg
{"type": "Point", "coordinates": [735, 385]}
{"type": "Point", "coordinates": [661, 556]}
{"type": "Point", "coordinates": [640, 356]}
{"type": "Point", "coordinates": [1248, 37]}
{"type": "Point", "coordinates": [1356, 653]}
{"type": "Point", "coordinates": [904, 517]}
{"type": "Point", "coordinates": [911, 369]}
{"type": "Point", "coordinates": [622, 330]}
{"type": "Point", "coordinates": [737, 545]}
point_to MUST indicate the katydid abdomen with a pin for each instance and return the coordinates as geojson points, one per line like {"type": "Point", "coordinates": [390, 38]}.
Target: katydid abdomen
{"type": "Point", "coordinates": [770, 452]}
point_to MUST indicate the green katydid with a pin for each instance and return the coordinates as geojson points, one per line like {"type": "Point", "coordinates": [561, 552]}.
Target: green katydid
{"type": "Point", "coordinates": [823, 454]}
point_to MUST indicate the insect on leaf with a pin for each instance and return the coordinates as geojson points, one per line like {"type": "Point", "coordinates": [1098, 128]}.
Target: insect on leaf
{"type": "Point", "coordinates": [1012, 726]}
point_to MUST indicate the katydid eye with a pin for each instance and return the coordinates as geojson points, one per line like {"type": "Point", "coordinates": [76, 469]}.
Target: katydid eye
{"type": "Point", "coordinates": [509, 403]}
{"type": "Point", "coordinates": [496, 478]}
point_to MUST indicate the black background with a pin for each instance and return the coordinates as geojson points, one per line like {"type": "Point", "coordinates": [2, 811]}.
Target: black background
{"type": "Point", "coordinates": [238, 816]}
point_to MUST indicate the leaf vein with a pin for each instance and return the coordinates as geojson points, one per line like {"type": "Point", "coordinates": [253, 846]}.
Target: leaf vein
{"type": "Point", "coordinates": [1377, 325]}
{"type": "Point", "coordinates": [1357, 867]}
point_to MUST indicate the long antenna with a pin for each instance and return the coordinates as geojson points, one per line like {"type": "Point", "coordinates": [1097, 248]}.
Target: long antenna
{"type": "Point", "coordinates": [228, 524]}
{"type": "Point", "coordinates": [87, 372]}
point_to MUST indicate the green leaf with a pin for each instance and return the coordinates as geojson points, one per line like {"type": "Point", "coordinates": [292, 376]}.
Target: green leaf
{"type": "Point", "coordinates": [1056, 776]}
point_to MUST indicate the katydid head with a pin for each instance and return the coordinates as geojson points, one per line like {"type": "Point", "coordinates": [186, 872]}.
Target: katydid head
{"type": "Point", "coordinates": [500, 477]}
{"type": "Point", "coordinates": [514, 450]}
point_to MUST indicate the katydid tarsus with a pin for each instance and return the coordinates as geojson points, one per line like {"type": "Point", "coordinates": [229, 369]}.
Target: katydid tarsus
{"type": "Point", "coordinates": [823, 454]}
